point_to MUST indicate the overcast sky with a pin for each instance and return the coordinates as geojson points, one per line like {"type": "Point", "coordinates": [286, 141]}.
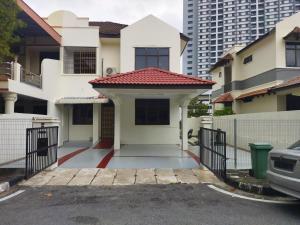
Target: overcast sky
{"type": "Point", "coordinates": [122, 11]}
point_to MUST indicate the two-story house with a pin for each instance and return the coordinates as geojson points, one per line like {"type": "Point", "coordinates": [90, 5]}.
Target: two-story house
{"type": "Point", "coordinates": [263, 76]}
{"type": "Point", "coordinates": [103, 80]}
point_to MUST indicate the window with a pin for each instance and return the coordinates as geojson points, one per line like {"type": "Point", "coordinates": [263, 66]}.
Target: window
{"type": "Point", "coordinates": [152, 112]}
{"type": "Point", "coordinates": [83, 114]}
{"type": "Point", "coordinates": [293, 54]}
{"type": "Point", "coordinates": [152, 57]}
{"type": "Point", "coordinates": [248, 59]}
{"type": "Point", "coordinates": [79, 60]}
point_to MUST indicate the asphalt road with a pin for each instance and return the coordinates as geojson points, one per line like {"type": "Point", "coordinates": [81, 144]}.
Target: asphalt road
{"type": "Point", "coordinates": [137, 205]}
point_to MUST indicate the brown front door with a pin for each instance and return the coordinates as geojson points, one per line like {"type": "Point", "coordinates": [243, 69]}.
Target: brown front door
{"type": "Point", "coordinates": [107, 121]}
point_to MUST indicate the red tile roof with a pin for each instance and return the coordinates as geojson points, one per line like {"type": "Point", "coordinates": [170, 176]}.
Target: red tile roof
{"type": "Point", "coordinates": [226, 97]}
{"type": "Point", "coordinates": [151, 77]}
{"type": "Point", "coordinates": [253, 93]}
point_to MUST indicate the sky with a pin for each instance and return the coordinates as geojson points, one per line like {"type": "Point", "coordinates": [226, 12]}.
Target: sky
{"type": "Point", "coordinates": [121, 11]}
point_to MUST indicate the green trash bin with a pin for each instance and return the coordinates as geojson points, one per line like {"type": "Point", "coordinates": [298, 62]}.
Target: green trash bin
{"type": "Point", "coordinates": [259, 158]}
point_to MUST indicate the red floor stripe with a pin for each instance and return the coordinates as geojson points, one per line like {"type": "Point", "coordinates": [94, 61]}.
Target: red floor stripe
{"type": "Point", "coordinates": [105, 143]}
{"type": "Point", "coordinates": [70, 155]}
{"type": "Point", "coordinates": [194, 156]}
{"type": "Point", "coordinates": [106, 159]}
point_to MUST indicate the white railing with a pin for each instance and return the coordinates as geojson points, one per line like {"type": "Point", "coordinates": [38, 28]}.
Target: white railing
{"type": "Point", "coordinates": [280, 129]}
{"type": "Point", "coordinates": [30, 78]}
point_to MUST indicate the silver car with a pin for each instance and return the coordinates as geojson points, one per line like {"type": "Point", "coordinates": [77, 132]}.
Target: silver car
{"type": "Point", "coordinates": [284, 170]}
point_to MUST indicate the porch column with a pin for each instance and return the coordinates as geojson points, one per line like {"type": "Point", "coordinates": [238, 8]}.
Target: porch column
{"type": "Point", "coordinates": [117, 142]}
{"type": "Point", "coordinates": [10, 99]}
{"type": "Point", "coordinates": [95, 123]}
{"type": "Point", "coordinates": [184, 127]}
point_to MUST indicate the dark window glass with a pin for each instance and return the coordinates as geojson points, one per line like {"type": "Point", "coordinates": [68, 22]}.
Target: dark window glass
{"type": "Point", "coordinates": [293, 54]}
{"type": "Point", "coordinates": [83, 114]}
{"type": "Point", "coordinates": [152, 112]}
{"type": "Point", "coordinates": [152, 57]}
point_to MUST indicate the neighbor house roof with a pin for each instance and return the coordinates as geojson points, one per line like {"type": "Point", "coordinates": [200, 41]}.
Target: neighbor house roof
{"type": "Point", "coordinates": [108, 29]}
{"type": "Point", "coordinates": [113, 30]}
{"type": "Point", "coordinates": [294, 82]}
{"type": "Point", "coordinates": [294, 33]}
{"type": "Point", "coordinates": [226, 97]}
{"type": "Point", "coordinates": [253, 94]}
{"type": "Point", "coordinates": [151, 77]}
{"type": "Point", "coordinates": [39, 21]}
{"type": "Point", "coordinates": [257, 41]}
{"type": "Point", "coordinates": [221, 62]}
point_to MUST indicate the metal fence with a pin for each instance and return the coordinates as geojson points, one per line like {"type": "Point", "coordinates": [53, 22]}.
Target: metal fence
{"type": "Point", "coordinates": [213, 151]}
{"type": "Point", "coordinates": [280, 133]}
{"type": "Point", "coordinates": [41, 149]}
{"type": "Point", "coordinates": [13, 141]}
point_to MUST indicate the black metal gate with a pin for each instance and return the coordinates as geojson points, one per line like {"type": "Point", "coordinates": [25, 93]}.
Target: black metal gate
{"type": "Point", "coordinates": [213, 151]}
{"type": "Point", "coordinates": [41, 149]}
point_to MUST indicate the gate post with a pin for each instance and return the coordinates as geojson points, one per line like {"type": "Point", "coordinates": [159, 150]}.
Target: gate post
{"type": "Point", "coordinates": [26, 156]}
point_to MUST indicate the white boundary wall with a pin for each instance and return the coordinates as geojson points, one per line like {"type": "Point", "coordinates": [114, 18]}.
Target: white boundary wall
{"type": "Point", "coordinates": [13, 136]}
{"type": "Point", "coordinates": [280, 129]}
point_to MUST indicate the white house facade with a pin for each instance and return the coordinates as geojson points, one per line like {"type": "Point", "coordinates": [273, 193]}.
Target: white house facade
{"type": "Point", "coordinates": [102, 80]}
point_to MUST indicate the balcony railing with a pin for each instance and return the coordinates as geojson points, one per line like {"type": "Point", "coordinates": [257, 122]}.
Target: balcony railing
{"type": "Point", "coordinates": [30, 78]}
{"type": "Point", "coordinates": [7, 69]}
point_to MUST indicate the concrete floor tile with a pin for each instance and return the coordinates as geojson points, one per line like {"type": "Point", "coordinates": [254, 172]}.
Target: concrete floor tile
{"type": "Point", "coordinates": [165, 176]}
{"type": "Point", "coordinates": [125, 177]}
{"type": "Point", "coordinates": [104, 177]}
{"type": "Point", "coordinates": [37, 180]}
{"type": "Point", "coordinates": [84, 177]}
{"type": "Point", "coordinates": [63, 176]}
{"type": "Point", "coordinates": [145, 176]}
{"type": "Point", "coordinates": [186, 176]}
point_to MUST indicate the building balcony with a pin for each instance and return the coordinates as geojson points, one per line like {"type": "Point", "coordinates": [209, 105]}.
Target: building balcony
{"type": "Point", "coordinates": [15, 71]}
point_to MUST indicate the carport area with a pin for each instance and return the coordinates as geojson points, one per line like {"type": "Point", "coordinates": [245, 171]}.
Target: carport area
{"type": "Point", "coordinates": [151, 156]}
{"type": "Point", "coordinates": [84, 155]}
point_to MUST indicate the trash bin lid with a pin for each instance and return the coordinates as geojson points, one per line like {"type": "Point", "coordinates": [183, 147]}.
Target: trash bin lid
{"type": "Point", "coordinates": [258, 145]}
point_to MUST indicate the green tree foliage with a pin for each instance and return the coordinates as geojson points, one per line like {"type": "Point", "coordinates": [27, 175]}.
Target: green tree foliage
{"type": "Point", "coordinates": [197, 109]}
{"type": "Point", "coordinates": [9, 23]}
{"type": "Point", "coordinates": [224, 112]}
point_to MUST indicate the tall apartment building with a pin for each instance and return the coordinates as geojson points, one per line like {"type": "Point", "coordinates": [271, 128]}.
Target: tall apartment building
{"type": "Point", "coordinates": [216, 25]}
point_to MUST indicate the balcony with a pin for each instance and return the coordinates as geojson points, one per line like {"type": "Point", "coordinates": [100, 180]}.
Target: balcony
{"type": "Point", "coordinates": [14, 71]}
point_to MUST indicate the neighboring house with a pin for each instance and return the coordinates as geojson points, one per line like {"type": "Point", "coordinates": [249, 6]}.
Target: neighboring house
{"type": "Point", "coordinates": [62, 55]}
{"type": "Point", "coordinates": [263, 76]}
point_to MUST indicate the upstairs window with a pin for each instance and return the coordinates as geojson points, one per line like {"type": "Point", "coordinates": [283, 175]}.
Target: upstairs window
{"type": "Point", "coordinates": [293, 54]}
{"type": "Point", "coordinates": [79, 60]}
{"type": "Point", "coordinates": [152, 57]}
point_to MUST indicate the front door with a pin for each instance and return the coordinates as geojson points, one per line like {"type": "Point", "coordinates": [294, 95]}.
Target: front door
{"type": "Point", "coordinates": [107, 121]}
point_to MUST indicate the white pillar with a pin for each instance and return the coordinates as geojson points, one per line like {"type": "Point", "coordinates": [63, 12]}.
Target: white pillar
{"type": "Point", "coordinates": [184, 128]}
{"type": "Point", "coordinates": [95, 123]}
{"type": "Point", "coordinates": [10, 99]}
{"type": "Point", "coordinates": [117, 134]}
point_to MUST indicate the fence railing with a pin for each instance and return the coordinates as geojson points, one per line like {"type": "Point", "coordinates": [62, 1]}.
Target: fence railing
{"type": "Point", "coordinates": [31, 78]}
{"type": "Point", "coordinates": [213, 151]}
{"type": "Point", "coordinates": [7, 69]}
{"type": "Point", "coordinates": [41, 149]}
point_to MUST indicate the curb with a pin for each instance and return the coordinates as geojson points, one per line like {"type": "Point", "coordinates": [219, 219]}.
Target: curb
{"type": "Point", "coordinates": [253, 188]}
{"type": "Point", "coordinates": [12, 182]}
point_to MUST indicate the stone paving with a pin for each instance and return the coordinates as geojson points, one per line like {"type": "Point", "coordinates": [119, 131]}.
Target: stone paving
{"type": "Point", "coordinates": [106, 177]}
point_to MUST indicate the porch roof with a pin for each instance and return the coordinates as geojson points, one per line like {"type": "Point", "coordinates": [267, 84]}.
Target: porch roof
{"type": "Point", "coordinates": [294, 82]}
{"type": "Point", "coordinates": [253, 94]}
{"type": "Point", "coordinates": [151, 78]}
